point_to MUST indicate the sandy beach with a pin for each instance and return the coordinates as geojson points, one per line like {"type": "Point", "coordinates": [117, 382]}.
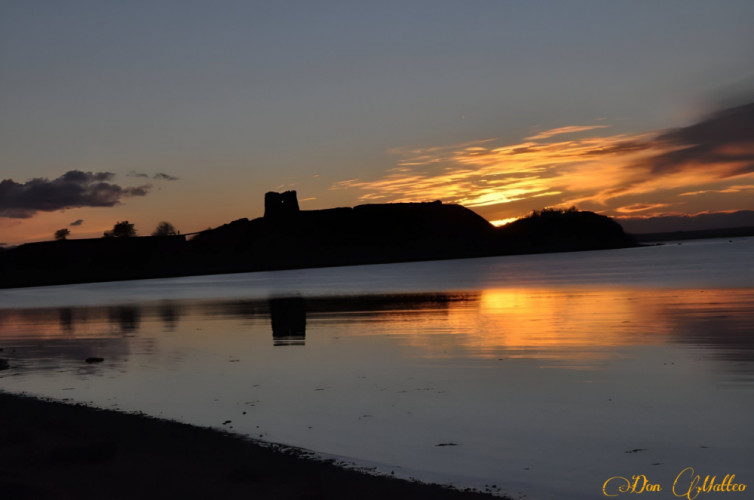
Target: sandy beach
{"type": "Point", "coordinates": [52, 450]}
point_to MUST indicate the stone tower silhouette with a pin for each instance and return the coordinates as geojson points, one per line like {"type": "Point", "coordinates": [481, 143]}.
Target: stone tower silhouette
{"type": "Point", "coordinates": [277, 205]}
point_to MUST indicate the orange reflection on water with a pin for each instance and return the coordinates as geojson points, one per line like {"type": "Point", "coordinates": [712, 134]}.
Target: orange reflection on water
{"type": "Point", "coordinates": [75, 322]}
{"type": "Point", "coordinates": [573, 319]}
{"type": "Point", "coordinates": [577, 327]}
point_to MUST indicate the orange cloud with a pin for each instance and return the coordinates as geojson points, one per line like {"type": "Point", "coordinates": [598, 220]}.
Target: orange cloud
{"type": "Point", "coordinates": [620, 173]}
{"type": "Point", "coordinates": [640, 207]}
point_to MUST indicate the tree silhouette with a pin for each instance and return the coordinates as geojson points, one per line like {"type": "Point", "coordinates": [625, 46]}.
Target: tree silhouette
{"type": "Point", "coordinates": [121, 229]}
{"type": "Point", "coordinates": [165, 229]}
{"type": "Point", "coordinates": [62, 234]}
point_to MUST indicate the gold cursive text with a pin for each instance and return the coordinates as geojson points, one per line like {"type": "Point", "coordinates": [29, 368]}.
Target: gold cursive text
{"type": "Point", "coordinates": [687, 484]}
{"type": "Point", "coordinates": [639, 483]}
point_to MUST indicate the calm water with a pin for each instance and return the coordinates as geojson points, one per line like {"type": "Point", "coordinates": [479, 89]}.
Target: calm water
{"type": "Point", "coordinates": [542, 375]}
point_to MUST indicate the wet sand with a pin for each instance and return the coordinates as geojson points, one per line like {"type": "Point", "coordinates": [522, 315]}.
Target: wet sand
{"type": "Point", "coordinates": [51, 450]}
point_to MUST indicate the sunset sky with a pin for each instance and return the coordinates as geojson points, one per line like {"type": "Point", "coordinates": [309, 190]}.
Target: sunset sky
{"type": "Point", "coordinates": [189, 111]}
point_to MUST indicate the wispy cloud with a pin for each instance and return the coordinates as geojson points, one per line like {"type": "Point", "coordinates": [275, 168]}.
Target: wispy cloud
{"type": "Point", "coordinates": [160, 176]}
{"type": "Point", "coordinates": [619, 173]}
{"type": "Point", "coordinates": [730, 189]}
{"type": "Point", "coordinates": [640, 207]}
{"type": "Point", "coordinates": [571, 129]}
{"type": "Point", "coordinates": [71, 190]}
{"type": "Point", "coordinates": [477, 175]}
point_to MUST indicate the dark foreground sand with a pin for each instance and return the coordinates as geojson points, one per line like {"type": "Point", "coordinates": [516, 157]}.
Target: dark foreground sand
{"type": "Point", "coordinates": [52, 450]}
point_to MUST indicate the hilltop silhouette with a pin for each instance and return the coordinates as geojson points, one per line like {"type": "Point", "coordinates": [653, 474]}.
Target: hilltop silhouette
{"type": "Point", "coordinates": [552, 230]}
{"type": "Point", "coordinates": [287, 237]}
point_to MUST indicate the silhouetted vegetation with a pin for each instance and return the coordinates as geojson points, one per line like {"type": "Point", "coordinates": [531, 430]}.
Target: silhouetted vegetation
{"type": "Point", "coordinates": [62, 234]}
{"type": "Point", "coordinates": [122, 229]}
{"type": "Point", "coordinates": [165, 229]}
{"type": "Point", "coordinates": [290, 238]}
{"type": "Point", "coordinates": [558, 230]}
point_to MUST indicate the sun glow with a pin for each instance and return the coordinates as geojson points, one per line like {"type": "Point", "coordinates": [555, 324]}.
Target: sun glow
{"type": "Point", "coordinates": [502, 222]}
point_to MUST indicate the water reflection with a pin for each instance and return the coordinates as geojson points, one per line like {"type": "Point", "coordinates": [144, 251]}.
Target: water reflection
{"type": "Point", "coordinates": [66, 319]}
{"type": "Point", "coordinates": [563, 381]}
{"type": "Point", "coordinates": [126, 318]}
{"type": "Point", "coordinates": [548, 388]}
{"type": "Point", "coordinates": [169, 314]}
{"type": "Point", "coordinates": [578, 328]}
{"type": "Point", "coordinates": [288, 317]}
{"type": "Point", "coordinates": [720, 322]}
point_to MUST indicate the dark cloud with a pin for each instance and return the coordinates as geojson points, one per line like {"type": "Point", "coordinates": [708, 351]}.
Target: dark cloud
{"type": "Point", "coordinates": [137, 191]}
{"type": "Point", "coordinates": [71, 190]}
{"type": "Point", "coordinates": [85, 177]}
{"type": "Point", "coordinates": [160, 176]}
{"type": "Point", "coordinates": [164, 177]}
{"type": "Point", "coordinates": [77, 222]}
{"type": "Point", "coordinates": [617, 149]}
{"type": "Point", "coordinates": [725, 137]}
{"type": "Point", "coordinates": [730, 125]}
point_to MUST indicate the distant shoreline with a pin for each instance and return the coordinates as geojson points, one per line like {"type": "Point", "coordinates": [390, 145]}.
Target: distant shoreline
{"type": "Point", "coordinates": [289, 238]}
{"type": "Point", "coordinates": [701, 234]}
{"type": "Point", "coordinates": [648, 239]}
{"type": "Point", "coordinates": [272, 269]}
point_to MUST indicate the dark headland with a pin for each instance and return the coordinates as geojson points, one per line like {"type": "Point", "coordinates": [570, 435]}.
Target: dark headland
{"type": "Point", "coordinates": [287, 237]}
